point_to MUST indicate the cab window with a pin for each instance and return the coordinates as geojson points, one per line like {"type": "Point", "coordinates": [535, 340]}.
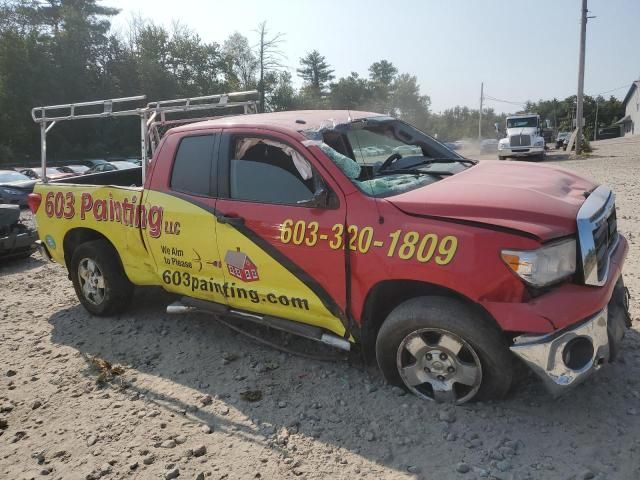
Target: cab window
{"type": "Point", "coordinates": [192, 166]}
{"type": "Point", "coordinates": [267, 171]}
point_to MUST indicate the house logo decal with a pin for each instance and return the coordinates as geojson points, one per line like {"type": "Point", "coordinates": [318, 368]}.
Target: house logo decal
{"type": "Point", "coordinates": [240, 266]}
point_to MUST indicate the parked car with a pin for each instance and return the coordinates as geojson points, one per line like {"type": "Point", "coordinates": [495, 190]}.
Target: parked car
{"type": "Point", "coordinates": [407, 150]}
{"type": "Point", "coordinates": [373, 151]}
{"type": "Point", "coordinates": [16, 239]}
{"type": "Point", "coordinates": [92, 162]}
{"type": "Point", "coordinates": [15, 187]}
{"type": "Point", "coordinates": [78, 169]}
{"type": "Point", "coordinates": [489, 145]}
{"type": "Point", "coordinates": [111, 166]}
{"type": "Point", "coordinates": [52, 173]}
{"type": "Point", "coordinates": [561, 138]}
{"type": "Point", "coordinates": [565, 142]}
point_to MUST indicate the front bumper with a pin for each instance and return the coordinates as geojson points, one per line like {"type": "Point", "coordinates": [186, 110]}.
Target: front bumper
{"type": "Point", "coordinates": [521, 151]}
{"type": "Point", "coordinates": [566, 357]}
{"type": "Point", "coordinates": [549, 356]}
{"type": "Point", "coordinates": [17, 243]}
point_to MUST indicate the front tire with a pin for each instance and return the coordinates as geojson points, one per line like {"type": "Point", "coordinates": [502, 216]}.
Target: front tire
{"type": "Point", "coordinates": [500, 157]}
{"type": "Point", "coordinates": [440, 349]}
{"type": "Point", "coordinates": [99, 279]}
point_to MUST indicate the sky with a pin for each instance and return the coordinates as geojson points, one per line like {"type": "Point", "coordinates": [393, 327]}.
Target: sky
{"type": "Point", "coordinates": [521, 50]}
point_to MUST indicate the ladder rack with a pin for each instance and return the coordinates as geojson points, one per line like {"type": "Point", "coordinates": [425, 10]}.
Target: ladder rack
{"type": "Point", "coordinates": [151, 117]}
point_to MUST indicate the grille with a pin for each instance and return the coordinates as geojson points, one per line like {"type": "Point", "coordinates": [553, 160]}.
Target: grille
{"type": "Point", "coordinates": [604, 238]}
{"type": "Point", "coordinates": [520, 141]}
{"type": "Point", "coordinates": [597, 234]}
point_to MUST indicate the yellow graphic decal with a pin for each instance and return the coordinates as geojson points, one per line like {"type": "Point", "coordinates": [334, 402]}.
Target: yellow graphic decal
{"type": "Point", "coordinates": [404, 245]}
{"type": "Point", "coordinates": [196, 283]}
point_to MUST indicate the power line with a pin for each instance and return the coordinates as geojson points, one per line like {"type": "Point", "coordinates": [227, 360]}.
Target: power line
{"type": "Point", "coordinates": [612, 90]}
{"type": "Point", "coordinates": [514, 102]}
{"type": "Point", "coordinates": [489, 97]}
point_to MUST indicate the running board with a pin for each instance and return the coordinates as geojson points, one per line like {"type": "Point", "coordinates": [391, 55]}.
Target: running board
{"type": "Point", "coordinates": [186, 305]}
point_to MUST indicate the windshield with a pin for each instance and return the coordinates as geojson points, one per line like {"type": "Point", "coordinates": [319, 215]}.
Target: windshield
{"type": "Point", "coordinates": [383, 156]}
{"type": "Point", "coordinates": [12, 177]}
{"type": "Point", "coordinates": [522, 122]}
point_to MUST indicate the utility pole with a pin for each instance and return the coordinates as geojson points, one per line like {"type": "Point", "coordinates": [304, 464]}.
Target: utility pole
{"type": "Point", "coordinates": [579, 108]}
{"type": "Point", "coordinates": [480, 112]}
{"type": "Point", "coordinates": [595, 125]}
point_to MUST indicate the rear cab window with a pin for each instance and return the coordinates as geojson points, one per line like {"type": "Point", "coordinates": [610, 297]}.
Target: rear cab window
{"type": "Point", "coordinates": [193, 166]}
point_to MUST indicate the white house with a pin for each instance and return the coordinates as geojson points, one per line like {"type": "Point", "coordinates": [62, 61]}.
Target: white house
{"type": "Point", "coordinates": [630, 123]}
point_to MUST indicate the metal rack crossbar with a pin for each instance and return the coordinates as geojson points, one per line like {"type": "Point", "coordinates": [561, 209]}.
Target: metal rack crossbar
{"type": "Point", "coordinates": [109, 109]}
{"type": "Point", "coordinates": [151, 117]}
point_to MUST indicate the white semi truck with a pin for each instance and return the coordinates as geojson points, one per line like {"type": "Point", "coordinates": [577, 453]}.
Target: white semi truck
{"type": "Point", "coordinates": [523, 137]}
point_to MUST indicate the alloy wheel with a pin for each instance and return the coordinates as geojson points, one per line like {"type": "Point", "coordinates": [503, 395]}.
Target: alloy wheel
{"type": "Point", "coordinates": [91, 281]}
{"type": "Point", "coordinates": [439, 365]}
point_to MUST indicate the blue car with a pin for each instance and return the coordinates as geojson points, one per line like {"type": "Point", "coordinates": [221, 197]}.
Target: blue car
{"type": "Point", "coordinates": [15, 187]}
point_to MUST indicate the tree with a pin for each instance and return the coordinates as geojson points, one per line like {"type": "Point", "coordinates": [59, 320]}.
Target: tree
{"type": "Point", "coordinates": [315, 71]}
{"type": "Point", "coordinates": [407, 102]}
{"type": "Point", "coordinates": [242, 64]}
{"type": "Point", "coordinates": [281, 95]}
{"type": "Point", "coordinates": [352, 92]}
{"type": "Point", "coordinates": [270, 58]}
{"type": "Point", "coordinates": [382, 75]}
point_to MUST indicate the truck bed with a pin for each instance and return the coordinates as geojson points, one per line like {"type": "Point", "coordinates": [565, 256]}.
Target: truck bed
{"type": "Point", "coordinates": [122, 178]}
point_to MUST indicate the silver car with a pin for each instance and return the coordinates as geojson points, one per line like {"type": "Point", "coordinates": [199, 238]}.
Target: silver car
{"type": "Point", "coordinates": [15, 187]}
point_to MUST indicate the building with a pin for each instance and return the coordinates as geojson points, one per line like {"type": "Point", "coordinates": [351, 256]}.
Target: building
{"type": "Point", "coordinates": [240, 266]}
{"type": "Point", "coordinates": [630, 123]}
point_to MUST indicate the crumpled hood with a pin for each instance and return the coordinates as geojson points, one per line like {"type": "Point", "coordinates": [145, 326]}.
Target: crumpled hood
{"type": "Point", "coordinates": [536, 199]}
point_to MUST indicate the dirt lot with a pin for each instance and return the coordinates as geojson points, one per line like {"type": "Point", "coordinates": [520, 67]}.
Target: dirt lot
{"type": "Point", "coordinates": [179, 408]}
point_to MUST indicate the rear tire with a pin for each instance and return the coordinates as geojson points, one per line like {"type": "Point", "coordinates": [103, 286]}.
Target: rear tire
{"type": "Point", "coordinates": [99, 279]}
{"type": "Point", "coordinates": [440, 349]}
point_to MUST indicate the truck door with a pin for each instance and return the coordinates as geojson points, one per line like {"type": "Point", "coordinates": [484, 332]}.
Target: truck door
{"type": "Point", "coordinates": [179, 205]}
{"type": "Point", "coordinates": [282, 250]}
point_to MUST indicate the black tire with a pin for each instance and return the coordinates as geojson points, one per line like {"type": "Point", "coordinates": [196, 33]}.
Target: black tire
{"type": "Point", "coordinates": [443, 314]}
{"type": "Point", "coordinates": [115, 294]}
{"type": "Point", "coordinates": [501, 158]}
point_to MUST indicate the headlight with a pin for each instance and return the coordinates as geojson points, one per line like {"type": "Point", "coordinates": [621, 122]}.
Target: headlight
{"type": "Point", "coordinates": [10, 191]}
{"type": "Point", "coordinates": [502, 146]}
{"type": "Point", "coordinates": [539, 142]}
{"type": "Point", "coordinates": [545, 265]}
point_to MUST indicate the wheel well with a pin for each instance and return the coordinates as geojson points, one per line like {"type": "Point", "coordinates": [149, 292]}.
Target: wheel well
{"type": "Point", "coordinates": [387, 295]}
{"type": "Point", "coordinates": [76, 237]}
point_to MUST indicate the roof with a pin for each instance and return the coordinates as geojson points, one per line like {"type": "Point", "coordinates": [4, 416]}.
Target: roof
{"type": "Point", "coordinates": [235, 259]}
{"type": "Point", "coordinates": [296, 120]}
{"type": "Point", "coordinates": [627, 97]}
{"type": "Point", "coordinates": [623, 120]}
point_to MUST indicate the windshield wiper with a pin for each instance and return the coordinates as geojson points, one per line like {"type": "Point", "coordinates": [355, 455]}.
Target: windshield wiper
{"type": "Point", "coordinates": [464, 161]}
{"type": "Point", "coordinates": [412, 171]}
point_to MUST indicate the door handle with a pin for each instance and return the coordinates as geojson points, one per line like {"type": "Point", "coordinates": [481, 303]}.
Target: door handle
{"type": "Point", "coordinates": [231, 220]}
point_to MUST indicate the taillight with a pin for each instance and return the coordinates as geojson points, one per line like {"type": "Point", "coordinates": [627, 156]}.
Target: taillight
{"type": "Point", "coordinates": [34, 200]}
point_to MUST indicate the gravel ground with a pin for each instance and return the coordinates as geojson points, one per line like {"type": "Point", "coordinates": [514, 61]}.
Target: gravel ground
{"type": "Point", "coordinates": [146, 395]}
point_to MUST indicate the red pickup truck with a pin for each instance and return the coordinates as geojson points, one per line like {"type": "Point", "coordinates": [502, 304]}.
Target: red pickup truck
{"type": "Point", "coordinates": [354, 228]}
